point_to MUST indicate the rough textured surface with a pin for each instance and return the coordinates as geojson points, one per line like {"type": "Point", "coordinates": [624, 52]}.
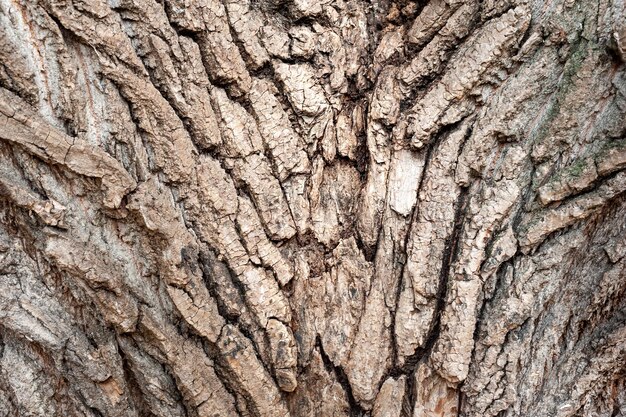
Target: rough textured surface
{"type": "Point", "coordinates": [312, 208]}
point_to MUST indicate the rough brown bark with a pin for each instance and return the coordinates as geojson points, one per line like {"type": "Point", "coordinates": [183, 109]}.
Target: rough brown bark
{"type": "Point", "coordinates": [312, 208]}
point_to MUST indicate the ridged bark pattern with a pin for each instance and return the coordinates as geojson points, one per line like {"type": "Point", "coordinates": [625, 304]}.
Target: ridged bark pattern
{"type": "Point", "coordinates": [312, 208]}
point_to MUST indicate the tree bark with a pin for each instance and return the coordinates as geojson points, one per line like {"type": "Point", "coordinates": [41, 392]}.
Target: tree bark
{"type": "Point", "coordinates": [312, 208]}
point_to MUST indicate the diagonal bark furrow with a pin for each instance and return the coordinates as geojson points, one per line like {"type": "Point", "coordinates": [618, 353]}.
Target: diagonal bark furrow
{"type": "Point", "coordinates": [355, 409]}
{"type": "Point", "coordinates": [450, 254]}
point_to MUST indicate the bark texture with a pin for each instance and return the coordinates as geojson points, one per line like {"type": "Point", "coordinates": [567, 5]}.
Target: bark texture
{"type": "Point", "coordinates": [312, 208]}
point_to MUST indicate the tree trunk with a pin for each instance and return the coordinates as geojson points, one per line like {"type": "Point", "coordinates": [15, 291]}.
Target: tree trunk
{"type": "Point", "coordinates": [312, 208]}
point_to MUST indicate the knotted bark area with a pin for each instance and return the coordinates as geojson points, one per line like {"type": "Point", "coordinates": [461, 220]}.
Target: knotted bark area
{"type": "Point", "coordinates": [312, 208]}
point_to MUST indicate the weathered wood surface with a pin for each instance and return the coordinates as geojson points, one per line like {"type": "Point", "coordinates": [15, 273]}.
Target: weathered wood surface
{"type": "Point", "coordinates": [312, 208]}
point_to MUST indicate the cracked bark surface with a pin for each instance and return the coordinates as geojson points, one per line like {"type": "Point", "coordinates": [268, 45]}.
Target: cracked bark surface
{"type": "Point", "coordinates": [312, 208]}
